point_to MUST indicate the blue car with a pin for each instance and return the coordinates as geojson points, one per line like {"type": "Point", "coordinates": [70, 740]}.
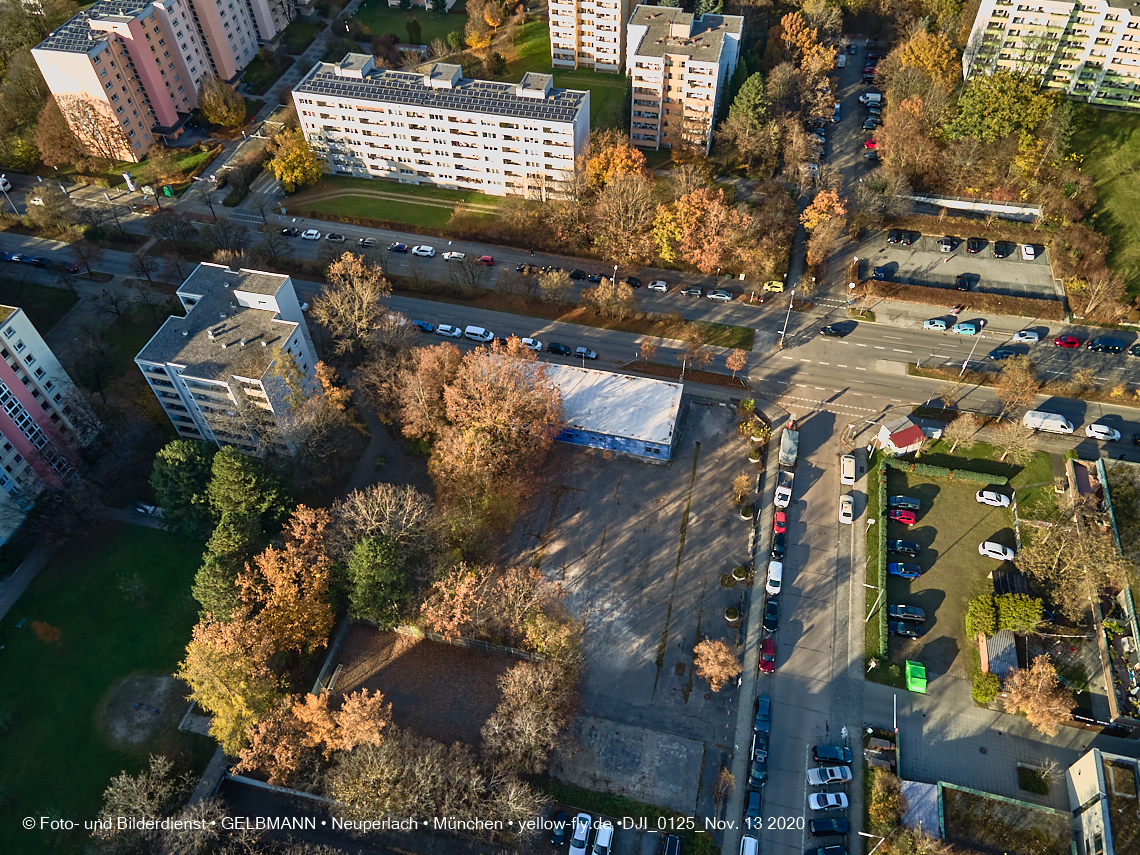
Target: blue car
{"type": "Point", "coordinates": [424, 326]}
{"type": "Point", "coordinates": [880, 274]}
{"type": "Point", "coordinates": [906, 571]}
{"type": "Point", "coordinates": [398, 247]}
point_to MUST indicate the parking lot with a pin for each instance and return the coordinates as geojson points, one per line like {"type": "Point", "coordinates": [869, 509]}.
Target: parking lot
{"type": "Point", "coordinates": [949, 528]}
{"type": "Point", "coordinates": [923, 263]}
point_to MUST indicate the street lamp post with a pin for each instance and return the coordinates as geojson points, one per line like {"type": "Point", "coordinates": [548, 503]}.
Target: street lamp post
{"type": "Point", "coordinates": [787, 320]}
{"type": "Point", "coordinates": [615, 274]}
{"type": "Point", "coordinates": [966, 361]}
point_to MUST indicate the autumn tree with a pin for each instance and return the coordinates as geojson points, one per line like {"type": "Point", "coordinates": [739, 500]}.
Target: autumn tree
{"type": "Point", "coordinates": [623, 217]}
{"type": "Point", "coordinates": [701, 229]}
{"type": "Point", "coordinates": [962, 431]}
{"type": "Point", "coordinates": [1016, 384]}
{"type": "Point", "coordinates": [555, 286]}
{"type": "Point", "coordinates": [220, 103]}
{"type": "Point", "coordinates": [611, 155]}
{"type": "Point", "coordinates": [715, 662]}
{"type": "Point", "coordinates": [538, 701]}
{"type": "Point", "coordinates": [350, 305]}
{"type": "Point", "coordinates": [56, 142]}
{"type": "Point", "coordinates": [1037, 692]}
{"type": "Point", "coordinates": [934, 54]}
{"type": "Point", "coordinates": [993, 106]}
{"type": "Point", "coordinates": [294, 163]}
{"type": "Point", "coordinates": [648, 349]}
{"type": "Point", "coordinates": [614, 299]}
{"type": "Point", "coordinates": [419, 391]}
{"type": "Point", "coordinates": [736, 360]}
{"type": "Point", "coordinates": [824, 206]}
{"type": "Point", "coordinates": [908, 141]}
{"type": "Point", "coordinates": [1074, 566]}
{"type": "Point", "coordinates": [1016, 442]}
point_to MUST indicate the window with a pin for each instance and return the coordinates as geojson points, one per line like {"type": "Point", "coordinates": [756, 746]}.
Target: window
{"type": "Point", "coordinates": [39, 373]}
{"type": "Point", "coordinates": [31, 360]}
{"type": "Point", "coordinates": [19, 347]}
{"type": "Point", "coordinates": [8, 333]}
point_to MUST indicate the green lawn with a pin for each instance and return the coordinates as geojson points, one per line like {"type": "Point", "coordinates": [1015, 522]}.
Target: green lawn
{"type": "Point", "coordinates": [43, 305]}
{"type": "Point", "coordinates": [1110, 144]}
{"type": "Point", "coordinates": [260, 75]}
{"type": "Point", "coordinates": [381, 20]}
{"type": "Point", "coordinates": [413, 191]}
{"type": "Point", "coordinates": [299, 35]}
{"type": "Point", "coordinates": [407, 213]}
{"type": "Point", "coordinates": [58, 753]}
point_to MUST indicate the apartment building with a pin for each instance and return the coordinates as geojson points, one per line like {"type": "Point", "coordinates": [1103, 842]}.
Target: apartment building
{"type": "Point", "coordinates": [680, 65]}
{"type": "Point", "coordinates": [43, 420]}
{"type": "Point", "coordinates": [588, 34]}
{"type": "Point", "coordinates": [1088, 50]}
{"type": "Point", "coordinates": [235, 360]}
{"type": "Point", "coordinates": [437, 127]}
{"type": "Point", "coordinates": [136, 65]}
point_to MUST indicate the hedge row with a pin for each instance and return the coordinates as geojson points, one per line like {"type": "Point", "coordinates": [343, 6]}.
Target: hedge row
{"type": "Point", "coordinates": [881, 524]}
{"type": "Point", "coordinates": [931, 471]}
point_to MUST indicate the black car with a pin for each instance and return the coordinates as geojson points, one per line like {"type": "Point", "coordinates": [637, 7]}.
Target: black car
{"type": "Point", "coordinates": [963, 283]}
{"type": "Point", "coordinates": [879, 274]}
{"type": "Point", "coordinates": [873, 58]}
{"type": "Point", "coordinates": [1002, 249]}
{"type": "Point", "coordinates": [904, 628]}
{"type": "Point", "coordinates": [894, 236]}
{"type": "Point", "coordinates": [832, 331]}
{"type": "Point", "coordinates": [763, 721]}
{"type": "Point", "coordinates": [824, 827]}
{"type": "Point", "coordinates": [37, 261]}
{"type": "Point", "coordinates": [758, 769]}
{"type": "Point", "coordinates": [577, 274]}
{"type": "Point", "coordinates": [868, 78]}
{"type": "Point", "coordinates": [291, 232]}
{"type": "Point", "coordinates": [1000, 353]}
{"type": "Point", "coordinates": [831, 754]}
{"type": "Point", "coordinates": [771, 615]}
{"type": "Point", "coordinates": [779, 546]}
{"type": "Point", "coordinates": [631, 281]}
{"type": "Point", "coordinates": [852, 49]}
{"type": "Point", "coordinates": [671, 845]}
{"type": "Point", "coordinates": [826, 850]}
{"type": "Point", "coordinates": [974, 244]}
{"type": "Point", "coordinates": [1134, 350]}
{"type": "Point", "coordinates": [903, 547]}
{"type": "Point", "coordinates": [909, 237]}
{"type": "Point", "coordinates": [522, 268]}
{"type": "Point", "coordinates": [558, 349]}
{"type": "Point", "coordinates": [872, 123]}
{"type": "Point", "coordinates": [906, 613]}
{"type": "Point", "coordinates": [559, 822]}
{"type": "Point", "coordinates": [752, 810]}
{"type": "Point", "coordinates": [550, 268]}
{"type": "Point", "coordinates": [904, 502]}
{"type": "Point", "coordinates": [595, 277]}
{"type": "Point", "coordinates": [870, 155]}
{"type": "Point", "coordinates": [1105, 345]}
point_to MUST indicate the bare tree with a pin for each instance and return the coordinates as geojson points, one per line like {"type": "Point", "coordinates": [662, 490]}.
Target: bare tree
{"type": "Point", "coordinates": [350, 306]}
{"type": "Point", "coordinates": [962, 431]}
{"type": "Point", "coordinates": [114, 301]}
{"type": "Point", "coordinates": [1038, 693]}
{"type": "Point", "coordinates": [263, 204]}
{"type": "Point", "coordinates": [1016, 384]}
{"type": "Point", "coordinates": [156, 305]}
{"type": "Point", "coordinates": [468, 275]}
{"type": "Point", "coordinates": [225, 234]}
{"type": "Point", "coordinates": [206, 191]}
{"type": "Point", "coordinates": [84, 252]}
{"type": "Point", "coordinates": [173, 227]}
{"type": "Point", "coordinates": [1016, 442]}
{"type": "Point", "coordinates": [273, 246]}
{"type": "Point", "coordinates": [96, 127]}
{"type": "Point", "coordinates": [145, 265]}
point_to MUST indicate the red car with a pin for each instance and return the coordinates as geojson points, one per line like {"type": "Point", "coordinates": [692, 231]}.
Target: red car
{"type": "Point", "coordinates": [1068, 341]}
{"type": "Point", "coordinates": [905, 517]}
{"type": "Point", "coordinates": [781, 524]}
{"type": "Point", "coordinates": [871, 144]}
{"type": "Point", "coordinates": [768, 655]}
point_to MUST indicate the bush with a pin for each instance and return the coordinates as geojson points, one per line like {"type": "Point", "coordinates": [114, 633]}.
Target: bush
{"type": "Point", "coordinates": [987, 686]}
{"type": "Point", "coordinates": [1019, 613]}
{"type": "Point", "coordinates": [930, 470]}
{"type": "Point", "coordinates": [981, 616]}
{"type": "Point", "coordinates": [1032, 781]}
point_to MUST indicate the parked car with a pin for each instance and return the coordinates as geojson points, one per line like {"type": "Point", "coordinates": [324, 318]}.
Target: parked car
{"type": "Point", "coordinates": [658, 285]}
{"type": "Point", "coordinates": [532, 344]}
{"type": "Point", "coordinates": [1102, 432]}
{"type": "Point", "coordinates": [906, 613]}
{"type": "Point", "coordinates": [38, 261]}
{"type": "Point", "coordinates": [752, 810]}
{"type": "Point", "coordinates": [965, 328]}
{"type": "Point", "coordinates": [580, 836]}
{"type": "Point", "coordinates": [879, 274]}
{"type": "Point", "coordinates": [691, 291]}
{"type": "Point", "coordinates": [424, 326]}
{"type": "Point", "coordinates": [780, 522]}
{"type": "Point", "coordinates": [595, 277]}
{"type": "Point", "coordinates": [775, 578]}
{"type": "Point", "coordinates": [671, 845]}
{"type": "Point", "coordinates": [825, 775]}
{"type": "Point", "coordinates": [903, 628]}
{"type": "Point", "coordinates": [870, 124]}
{"type": "Point", "coordinates": [834, 849]}
{"type": "Point", "coordinates": [577, 274]}
{"type": "Point", "coordinates": [333, 237]}
{"type": "Point", "coordinates": [1105, 345]}
{"type": "Point", "coordinates": [558, 826]}
{"type": "Point", "coordinates": [828, 827]}
{"type": "Point", "coordinates": [585, 353]}
{"type": "Point", "coordinates": [831, 754]}
{"type": "Point", "coordinates": [1000, 353]}
{"type": "Point", "coordinates": [946, 244]}
{"type": "Point", "coordinates": [310, 234]}
{"type": "Point", "coordinates": [827, 801]}
{"type": "Point", "coordinates": [768, 654]}
{"type": "Point", "coordinates": [962, 283]}
{"type": "Point", "coordinates": [758, 768]}
{"type": "Point", "coordinates": [366, 243]}
{"type": "Point", "coordinates": [424, 251]}
{"type": "Point", "coordinates": [779, 546]}
{"type": "Point", "coordinates": [1069, 342]}
{"type": "Point", "coordinates": [894, 236]}
{"type": "Point", "coordinates": [771, 615]}
{"type": "Point", "coordinates": [904, 502]}
{"type": "Point", "coordinates": [992, 498]}
{"type": "Point", "coordinates": [1134, 350]}
{"type": "Point", "coordinates": [448, 331]}
{"type": "Point", "coordinates": [903, 547]}
{"type": "Point", "coordinates": [870, 155]}
{"type": "Point", "coordinates": [631, 281]}
{"type": "Point", "coordinates": [1026, 337]}
{"type": "Point", "coordinates": [291, 232]}
{"type": "Point", "coordinates": [454, 256]}
{"type": "Point", "coordinates": [1028, 251]}
{"type": "Point", "coordinates": [763, 721]}
{"type": "Point", "coordinates": [935, 324]}
{"type": "Point", "coordinates": [904, 571]}
{"type": "Point", "coordinates": [1003, 249]}
{"type": "Point", "coordinates": [838, 114]}
{"type": "Point", "coordinates": [902, 516]}
{"type": "Point", "coordinates": [990, 549]}
{"type": "Point", "coordinates": [604, 839]}
{"type": "Point", "coordinates": [975, 244]}
{"type": "Point", "coordinates": [719, 296]}
{"type": "Point", "coordinates": [558, 349]}
{"type": "Point", "coordinates": [397, 247]}
{"type": "Point", "coordinates": [871, 144]}
{"type": "Point", "coordinates": [846, 509]}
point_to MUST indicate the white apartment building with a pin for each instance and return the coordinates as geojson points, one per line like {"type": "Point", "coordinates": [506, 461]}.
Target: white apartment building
{"type": "Point", "coordinates": [588, 34]}
{"type": "Point", "coordinates": [43, 419]}
{"type": "Point", "coordinates": [437, 127]}
{"type": "Point", "coordinates": [680, 66]}
{"type": "Point", "coordinates": [239, 326]}
{"type": "Point", "coordinates": [1089, 50]}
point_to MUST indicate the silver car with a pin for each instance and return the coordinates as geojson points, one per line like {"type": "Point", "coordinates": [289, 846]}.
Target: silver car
{"type": "Point", "coordinates": [719, 296]}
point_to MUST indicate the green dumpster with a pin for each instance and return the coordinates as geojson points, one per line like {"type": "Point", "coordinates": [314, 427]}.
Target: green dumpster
{"type": "Point", "coordinates": [916, 677]}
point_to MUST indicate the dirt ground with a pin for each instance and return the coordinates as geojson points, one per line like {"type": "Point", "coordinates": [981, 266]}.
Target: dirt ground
{"type": "Point", "coordinates": [435, 689]}
{"type": "Point", "coordinates": [140, 706]}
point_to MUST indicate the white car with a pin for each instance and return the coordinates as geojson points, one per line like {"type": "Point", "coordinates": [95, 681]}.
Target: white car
{"type": "Point", "coordinates": [1103, 432]}
{"type": "Point", "coordinates": [5, 184]}
{"type": "Point", "coordinates": [1028, 251]}
{"type": "Point", "coordinates": [827, 801]}
{"type": "Point", "coordinates": [425, 251]}
{"type": "Point", "coordinates": [825, 775]}
{"type": "Point", "coordinates": [448, 331]}
{"type": "Point", "coordinates": [584, 353]}
{"type": "Point", "coordinates": [532, 344]}
{"type": "Point", "coordinates": [604, 839]}
{"type": "Point", "coordinates": [580, 836]}
{"type": "Point", "coordinates": [304, 307]}
{"type": "Point", "coordinates": [847, 509]}
{"type": "Point", "coordinates": [994, 500]}
{"type": "Point", "coordinates": [453, 256]}
{"type": "Point", "coordinates": [775, 578]}
{"type": "Point", "coordinates": [719, 296]}
{"type": "Point", "coordinates": [1026, 337]}
{"type": "Point", "coordinates": [658, 285]}
{"type": "Point", "coordinates": [36, 200]}
{"type": "Point", "coordinates": [311, 234]}
{"type": "Point", "coordinates": [995, 550]}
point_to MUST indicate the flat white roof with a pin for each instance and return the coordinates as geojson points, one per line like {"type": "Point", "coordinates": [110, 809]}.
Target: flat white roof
{"type": "Point", "coordinates": [639, 408]}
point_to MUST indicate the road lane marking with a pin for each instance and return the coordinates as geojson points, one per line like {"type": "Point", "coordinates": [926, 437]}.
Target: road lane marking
{"type": "Point", "coordinates": [841, 366]}
{"type": "Point", "coordinates": [877, 347]}
{"type": "Point", "coordinates": [825, 363]}
{"type": "Point", "coordinates": [896, 350]}
{"type": "Point", "coordinates": [860, 345]}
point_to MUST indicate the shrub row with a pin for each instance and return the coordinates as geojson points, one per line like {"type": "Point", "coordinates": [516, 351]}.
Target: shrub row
{"type": "Point", "coordinates": [932, 471]}
{"type": "Point", "coordinates": [881, 524]}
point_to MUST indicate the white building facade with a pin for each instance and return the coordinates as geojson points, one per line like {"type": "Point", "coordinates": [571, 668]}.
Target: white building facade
{"type": "Point", "coordinates": [680, 67]}
{"type": "Point", "coordinates": [588, 34]}
{"type": "Point", "coordinates": [439, 128]}
{"type": "Point", "coordinates": [240, 327]}
{"type": "Point", "coordinates": [1088, 50]}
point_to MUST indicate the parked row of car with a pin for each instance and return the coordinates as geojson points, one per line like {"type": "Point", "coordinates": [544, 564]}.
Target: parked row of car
{"type": "Point", "coordinates": [36, 261]}
{"type": "Point", "coordinates": [485, 336]}
{"type": "Point", "coordinates": [904, 509]}
{"type": "Point", "coordinates": [580, 832]}
{"type": "Point", "coordinates": [947, 243]}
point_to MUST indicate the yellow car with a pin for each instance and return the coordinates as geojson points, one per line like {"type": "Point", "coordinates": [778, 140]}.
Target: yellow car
{"type": "Point", "coordinates": [775, 285]}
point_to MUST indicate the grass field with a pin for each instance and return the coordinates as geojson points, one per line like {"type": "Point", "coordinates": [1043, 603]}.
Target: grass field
{"type": "Point", "coordinates": [299, 35]}
{"type": "Point", "coordinates": [121, 603]}
{"type": "Point", "coordinates": [260, 75]}
{"type": "Point", "coordinates": [406, 212]}
{"type": "Point", "coordinates": [1110, 145]}
{"type": "Point", "coordinates": [382, 19]}
{"type": "Point", "coordinates": [44, 306]}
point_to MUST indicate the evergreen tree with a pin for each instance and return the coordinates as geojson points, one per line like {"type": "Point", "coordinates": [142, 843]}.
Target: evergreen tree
{"type": "Point", "coordinates": [376, 581]}
{"type": "Point", "coordinates": [180, 478]}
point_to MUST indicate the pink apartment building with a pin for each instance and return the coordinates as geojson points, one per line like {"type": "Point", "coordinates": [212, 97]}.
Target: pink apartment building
{"type": "Point", "coordinates": [136, 66]}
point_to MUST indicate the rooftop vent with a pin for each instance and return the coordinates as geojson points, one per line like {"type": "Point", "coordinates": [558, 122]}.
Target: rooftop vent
{"type": "Point", "coordinates": [209, 334]}
{"type": "Point", "coordinates": [224, 345]}
{"type": "Point", "coordinates": [184, 332]}
{"type": "Point", "coordinates": [243, 342]}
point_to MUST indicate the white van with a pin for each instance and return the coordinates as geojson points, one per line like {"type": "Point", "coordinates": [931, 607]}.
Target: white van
{"type": "Point", "coordinates": [841, 61]}
{"type": "Point", "coordinates": [847, 469]}
{"type": "Point", "coordinates": [478, 334]}
{"type": "Point", "coordinates": [869, 98]}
